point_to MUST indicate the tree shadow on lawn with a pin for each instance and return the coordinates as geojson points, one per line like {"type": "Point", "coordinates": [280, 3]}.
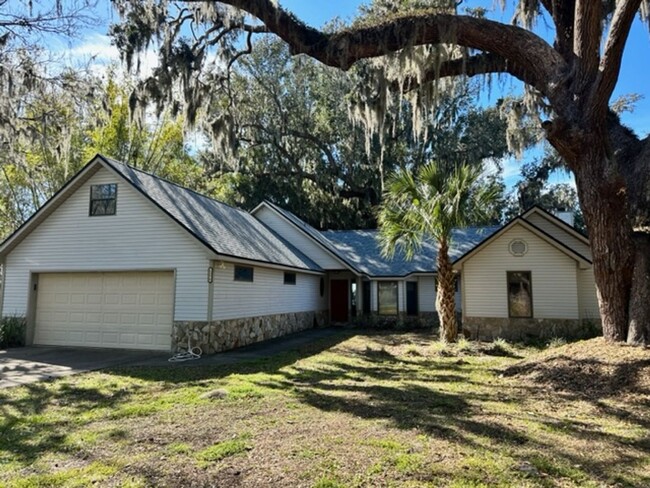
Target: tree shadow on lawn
{"type": "Point", "coordinates": [27, 431]}
{"type": "Point", "coordinates": [31, 426]}
{"type": "Point", "coordinates": [411, 402]}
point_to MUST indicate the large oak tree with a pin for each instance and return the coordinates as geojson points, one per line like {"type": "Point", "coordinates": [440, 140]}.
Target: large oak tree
{"type": "Point", "coordinates": [574, 79]}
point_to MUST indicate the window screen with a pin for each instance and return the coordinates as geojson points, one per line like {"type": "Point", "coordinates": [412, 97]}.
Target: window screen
{"type": "Point", "coordinates": [520, 294]}
{"type": "Point", "coordinates": [387, 297]}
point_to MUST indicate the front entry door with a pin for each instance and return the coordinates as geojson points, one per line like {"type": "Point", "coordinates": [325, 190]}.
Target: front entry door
{"type": "Point", "coordinates": [339, 300]}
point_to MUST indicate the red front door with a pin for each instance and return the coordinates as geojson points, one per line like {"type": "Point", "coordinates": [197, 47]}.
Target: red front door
{"type": "Point", "coordinates": [339, 300]}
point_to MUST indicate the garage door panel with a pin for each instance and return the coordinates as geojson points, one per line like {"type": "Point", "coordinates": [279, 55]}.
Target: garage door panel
{"type": "Point", "coordinates": [77, 317]}
{"type": "Point", "coordinates": [114, 310]}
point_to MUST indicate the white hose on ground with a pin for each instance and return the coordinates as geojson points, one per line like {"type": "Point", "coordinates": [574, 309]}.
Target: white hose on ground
{"type": "Point", "coordinates": [191, 353]}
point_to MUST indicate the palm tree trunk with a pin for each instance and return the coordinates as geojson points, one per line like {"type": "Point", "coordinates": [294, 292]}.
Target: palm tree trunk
{"type": "Point", "coordinates": [445, 295]}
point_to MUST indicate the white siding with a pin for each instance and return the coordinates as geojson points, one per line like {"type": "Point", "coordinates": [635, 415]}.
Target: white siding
{"type": "Point", "coordinates": [266, 295]}
{"type": "Point", "coordinates": [560, 234]}
{"type": "Point", "coordinates": [138, 237]}
{"type": "Point", "coordinates": [427, 293]}
{"type": "Point", "coordinates": [554, 278]}
{"type": "Point", "coordinates": [291, 234]}
{"type": "Point", "coordinates": [587, 296]}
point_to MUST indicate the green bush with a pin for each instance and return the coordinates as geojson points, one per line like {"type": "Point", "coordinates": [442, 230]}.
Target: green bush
{"type": "Point", "coordinates": [12, 332]}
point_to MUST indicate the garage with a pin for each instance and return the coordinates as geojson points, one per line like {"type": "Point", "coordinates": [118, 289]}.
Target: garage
{"type": "Point", "coordinates": [124, 310]}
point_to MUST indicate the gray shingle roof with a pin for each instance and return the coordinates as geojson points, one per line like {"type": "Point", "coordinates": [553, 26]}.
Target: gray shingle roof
{"type": "Point", "coordinates": [361, 248]}
{"type": "Point", "coordinates": [226, 230]}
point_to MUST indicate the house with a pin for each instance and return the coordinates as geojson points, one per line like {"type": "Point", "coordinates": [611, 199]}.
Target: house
{"type": "Point", "coordinates": [119, 258]}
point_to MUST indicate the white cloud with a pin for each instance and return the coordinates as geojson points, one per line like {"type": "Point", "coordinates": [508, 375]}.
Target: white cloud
{"type": "Point", "coordinates": [97, 46]}
{"type": "Point", "coordinates": [96, 51]}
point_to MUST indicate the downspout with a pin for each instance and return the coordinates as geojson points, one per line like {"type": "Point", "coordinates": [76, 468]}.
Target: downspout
{"type": "Point", "coordinates": [210, 315]}
{"type": "Point", "coordinates": [462, 296]}
{"type": "Point", "coordinates": [3, 266]}
{"type": "Point", "coordinates": [211, 271]}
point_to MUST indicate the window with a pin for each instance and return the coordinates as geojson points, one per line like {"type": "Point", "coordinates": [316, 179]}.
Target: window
{"type": "Point", "coordinates": [520, 294]}
{"type": "Point", "coordinates": [243, 273]}
{"type": "Point", "coordinates": [387, 297]}
{"type": "Point", "coordinates": [322, 286]}
{"type": "Point", "coordinates": [289, 278]}
{"type": "Point", "coordinates": [103, 199]}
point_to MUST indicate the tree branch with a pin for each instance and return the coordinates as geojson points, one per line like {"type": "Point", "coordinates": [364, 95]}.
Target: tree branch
{"type": "Point", "coordinates": [610, 63]}
{"type": "Point", "coordinates": [344, 48]}
{"type": "Point", "coordinates": [563, 14]}
{"type": "Point", "coordinates": [586, 41]}
{"type": "Point", "coordinates": [479, 64]}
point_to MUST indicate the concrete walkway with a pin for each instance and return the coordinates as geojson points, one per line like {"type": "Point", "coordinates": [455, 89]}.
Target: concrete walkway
{"type": "Point", "coordinates": [30, 364]}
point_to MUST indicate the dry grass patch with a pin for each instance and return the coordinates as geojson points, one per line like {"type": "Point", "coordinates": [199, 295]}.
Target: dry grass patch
{"type": "Point", "coordinates": [365, 410]}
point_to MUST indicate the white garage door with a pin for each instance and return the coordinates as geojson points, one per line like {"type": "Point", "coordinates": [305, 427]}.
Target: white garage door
{"type": "Point", "coordinates": [113, 310]}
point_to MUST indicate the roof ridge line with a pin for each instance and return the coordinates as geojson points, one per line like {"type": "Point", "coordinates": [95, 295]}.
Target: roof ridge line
{"type": "Point", "coordinates": [115, 161]}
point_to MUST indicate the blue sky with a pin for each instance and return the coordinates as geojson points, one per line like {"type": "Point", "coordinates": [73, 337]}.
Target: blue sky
{"type": "Point", "coordinates": [633, 79]}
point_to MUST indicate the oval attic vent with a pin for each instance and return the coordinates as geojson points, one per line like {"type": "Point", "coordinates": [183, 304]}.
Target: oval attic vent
{"type": "Point", "coordinates": [518, 247]}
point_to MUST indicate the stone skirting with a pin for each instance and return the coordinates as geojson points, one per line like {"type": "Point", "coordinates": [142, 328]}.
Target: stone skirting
{"type": "Point", "coordinates": [425, 320]}
{"type": "Point", "coordinates": [490, 328]}
{"type": "Point", "coordinates": [223, 335]}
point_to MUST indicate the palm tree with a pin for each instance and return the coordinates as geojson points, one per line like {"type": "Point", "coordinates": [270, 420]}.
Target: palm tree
{"type": "Point", "coordinates": [429, 205]}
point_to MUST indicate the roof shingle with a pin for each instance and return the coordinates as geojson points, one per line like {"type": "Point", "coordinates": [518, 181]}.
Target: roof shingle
{"type": "Point", "coordinates": [226, 230]}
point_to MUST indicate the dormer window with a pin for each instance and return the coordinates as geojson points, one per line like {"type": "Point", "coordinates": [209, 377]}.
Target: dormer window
{"type": "Point", "coordinates": [103, 199]}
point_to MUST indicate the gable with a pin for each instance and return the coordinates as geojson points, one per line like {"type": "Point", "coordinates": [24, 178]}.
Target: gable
{"type": "Point", "coordinates": [220, 228]}
{"type": "Point", "coordinates": [559, 230]}
{"type": "Point", "coordinates": [288, 231]}
{"type": "Point", "coordinates": [138, 237]}
{"type": "Point", "coordinates": [70, 226]}
{"type": "Point", "coordinates": [554, 276]}
{"type": "Point", "coordinates": [519, 221]}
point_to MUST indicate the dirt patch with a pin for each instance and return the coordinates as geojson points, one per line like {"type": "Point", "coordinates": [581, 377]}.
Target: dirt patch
{"type": "Point", "coordinates": [593, 368]}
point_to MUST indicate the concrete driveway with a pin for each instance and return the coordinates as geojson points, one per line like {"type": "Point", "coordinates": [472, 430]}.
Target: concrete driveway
{"type": "Point", "coordinates": [29, 364]}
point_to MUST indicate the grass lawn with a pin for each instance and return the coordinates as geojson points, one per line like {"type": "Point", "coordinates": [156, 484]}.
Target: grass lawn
{"type": "Point", "coordinates": [360, 409]}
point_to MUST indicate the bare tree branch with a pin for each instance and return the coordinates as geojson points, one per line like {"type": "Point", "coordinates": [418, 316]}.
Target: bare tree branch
{"type": "Point", "coordinates": [479, 64]}
{"type": "Point", "coordinates": [610, 63]}
{"type": "Point", "coordinates": [586, 41]}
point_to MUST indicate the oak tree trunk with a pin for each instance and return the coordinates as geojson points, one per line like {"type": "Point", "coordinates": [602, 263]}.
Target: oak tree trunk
{"type": "Point", "coordinates": [601, 193]}
{"type": "Point", "coordinates": [639, 332]}
{"type": "Point", "coordinates": [445, 295]}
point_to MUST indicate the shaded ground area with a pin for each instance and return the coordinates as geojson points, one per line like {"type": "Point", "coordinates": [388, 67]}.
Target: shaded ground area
{"type": "Point", "coordinates": [353, 409]}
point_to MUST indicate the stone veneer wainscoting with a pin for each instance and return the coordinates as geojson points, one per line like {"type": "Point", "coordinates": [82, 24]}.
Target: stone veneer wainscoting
{"type": "Point", "coordinates": [490, 328]}
{"type": "Point", "coordinates": [223, 335]}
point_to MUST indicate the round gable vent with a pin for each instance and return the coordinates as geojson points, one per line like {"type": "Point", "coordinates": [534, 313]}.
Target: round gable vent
{"type": "Point", "coordinates": [518, 247]}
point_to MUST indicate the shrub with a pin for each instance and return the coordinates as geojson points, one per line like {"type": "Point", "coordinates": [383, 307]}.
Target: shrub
{"type": "Point", "coordinates": [12, 332]}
